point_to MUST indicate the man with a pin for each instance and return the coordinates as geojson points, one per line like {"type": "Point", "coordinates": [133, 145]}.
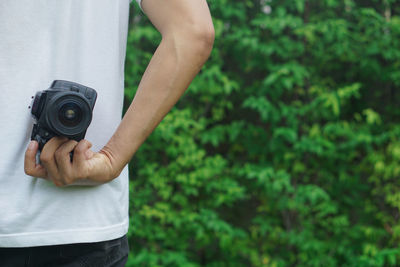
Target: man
{"type": "Point", "coordinates": [63, 213]}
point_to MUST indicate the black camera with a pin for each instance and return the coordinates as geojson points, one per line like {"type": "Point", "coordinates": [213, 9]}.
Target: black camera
{"type": "Point", "coordinates": [65, 109]}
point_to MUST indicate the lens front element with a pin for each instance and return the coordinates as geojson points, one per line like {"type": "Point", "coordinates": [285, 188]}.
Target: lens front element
{"type": "Point", "coordinates": [70, 114]}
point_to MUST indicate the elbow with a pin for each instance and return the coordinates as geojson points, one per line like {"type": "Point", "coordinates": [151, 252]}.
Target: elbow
{"type": "Point", "coordinates": [200, 40]}
{"type": "Point", "coordinates": [205, 37]}
{"type": "Point", "coordinates": [193, 41]}
{"type": "Point", "coordinates": [208, 36]}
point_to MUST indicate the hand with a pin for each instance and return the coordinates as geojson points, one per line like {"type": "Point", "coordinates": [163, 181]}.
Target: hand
{"type": "Point", "coordinates": [86, 168]}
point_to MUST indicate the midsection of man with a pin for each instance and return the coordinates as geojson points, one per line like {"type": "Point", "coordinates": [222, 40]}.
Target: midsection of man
{"type": "Point", "coordinates": [42, 41]}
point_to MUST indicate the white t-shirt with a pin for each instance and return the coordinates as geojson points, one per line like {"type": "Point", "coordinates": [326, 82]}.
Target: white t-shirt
{"type": "Point", "coordinates": [83, 41]}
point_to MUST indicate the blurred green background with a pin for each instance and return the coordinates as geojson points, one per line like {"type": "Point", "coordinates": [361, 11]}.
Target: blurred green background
{"type": "Point", "coordinates": [285, 150]}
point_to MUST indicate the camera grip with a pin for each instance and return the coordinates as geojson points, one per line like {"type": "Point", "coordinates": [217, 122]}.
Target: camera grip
{"type": "Point", "coordinates": [40, 135]}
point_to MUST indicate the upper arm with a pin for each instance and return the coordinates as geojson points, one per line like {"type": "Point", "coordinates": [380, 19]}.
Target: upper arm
{"type": "Point", "coordinates": [179, 16]}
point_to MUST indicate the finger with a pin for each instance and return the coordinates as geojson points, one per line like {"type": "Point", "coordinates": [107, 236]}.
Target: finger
{"type": "Point", "coordinates": [30, 166]}
{"type": "Point", "coordinates": [47, 158]}
{"type": "Point", "coordinates": [63, 159]}
{"type": "Point", "coordinates": [81, 152]}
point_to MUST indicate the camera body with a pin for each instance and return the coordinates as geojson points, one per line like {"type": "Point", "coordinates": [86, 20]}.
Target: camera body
{"type": "Point", "coordinates": [65, 109]}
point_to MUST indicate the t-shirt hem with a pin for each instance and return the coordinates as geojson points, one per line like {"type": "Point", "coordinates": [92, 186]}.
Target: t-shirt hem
{"type": "Point", "coordinates": [49, 238]}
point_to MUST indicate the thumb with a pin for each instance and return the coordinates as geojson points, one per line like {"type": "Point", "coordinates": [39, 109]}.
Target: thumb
{"type": "Point", "coordinates": [82, 151]}
{"type": "Point", "coordinates": [30, 166]}
{"type": "Point", "coordinates": [89, 154]}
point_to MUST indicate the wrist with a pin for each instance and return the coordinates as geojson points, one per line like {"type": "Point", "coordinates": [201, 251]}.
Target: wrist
{"type": "Point", "coordinates": [114, 166]}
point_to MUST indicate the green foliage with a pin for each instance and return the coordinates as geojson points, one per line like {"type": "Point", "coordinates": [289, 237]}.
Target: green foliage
{"type": "Point", "coordinates": [285, 150]}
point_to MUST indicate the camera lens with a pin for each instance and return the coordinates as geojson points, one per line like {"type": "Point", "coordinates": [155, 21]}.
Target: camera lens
{"type": "Point", "coordinates": [70, 114]}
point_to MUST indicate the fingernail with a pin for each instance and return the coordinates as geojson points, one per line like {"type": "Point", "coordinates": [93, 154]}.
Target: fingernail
{"type": "Point", "coordinates": [31, 145]}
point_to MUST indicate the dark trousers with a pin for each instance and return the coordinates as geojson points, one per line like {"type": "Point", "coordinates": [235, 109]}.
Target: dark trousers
{"type": "Point", "coordinates": [111, 253]}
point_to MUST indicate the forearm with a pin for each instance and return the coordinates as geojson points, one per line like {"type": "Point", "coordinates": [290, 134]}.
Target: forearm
{"type": "Point", "coordinates": [174, 65]}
